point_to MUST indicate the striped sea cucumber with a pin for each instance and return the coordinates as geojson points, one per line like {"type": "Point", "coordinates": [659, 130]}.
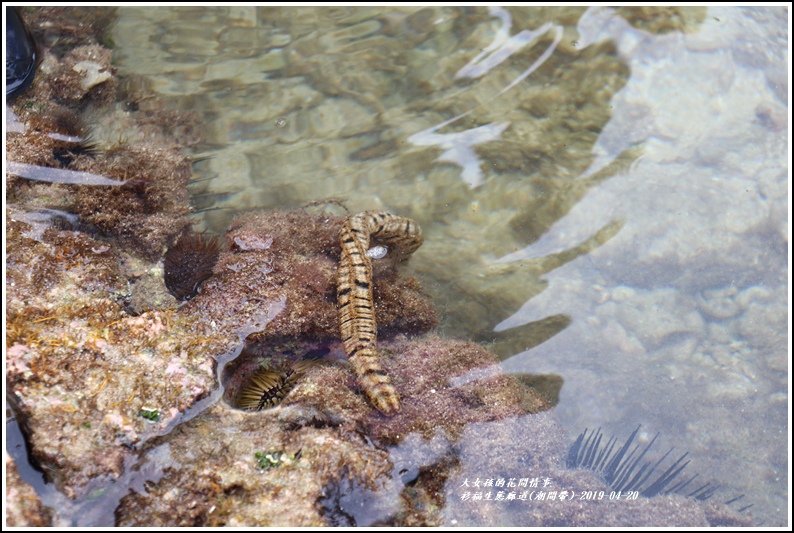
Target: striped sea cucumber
{"type": "Point", "coordinates": [401, 237]}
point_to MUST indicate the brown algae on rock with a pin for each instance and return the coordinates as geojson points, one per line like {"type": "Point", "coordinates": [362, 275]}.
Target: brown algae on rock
{"type": "Point", "coordinates": [81, 366]}
{"type": "Point", "coordinates": [460, 416]}
{"type": "Point", "coordinates": [111, 391]}
{"type": "Point", "coordinates": [333, 427]}
{"type": "Point", "coordinates": [349, 465]}
{"type": "Point", "coordinates": [299, 264]}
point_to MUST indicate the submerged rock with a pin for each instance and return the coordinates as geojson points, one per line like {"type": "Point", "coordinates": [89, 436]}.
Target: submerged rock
{"type": "Point", "coordinates": [293, 255]}
{"type": "Point", "coordinates": [117, 386]}
{"type": "Point", "coordinates": [330, 435]}
{"type": "Point", "coordinates": [92, 376]}
{"type": "Point", "coordinates": [20, 54]}
{"type": "Point", "coordinates": [323, 455]}
{"type": "Point", "coordinates": [469, 448]}
{"type": "Point", "coordinates": [105, 395]}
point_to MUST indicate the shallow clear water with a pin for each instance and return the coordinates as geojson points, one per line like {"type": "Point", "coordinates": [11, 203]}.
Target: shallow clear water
{"type": "Point", "coordinates": [604, 194]}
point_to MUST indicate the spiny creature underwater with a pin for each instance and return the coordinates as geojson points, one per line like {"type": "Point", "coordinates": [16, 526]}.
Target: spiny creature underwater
{"type": "Point", "coordinates": [190, 262]}
{"type": "Point", "coordinates": [624, 471]}
{"type": "Point", "coordinates": [268, 387]}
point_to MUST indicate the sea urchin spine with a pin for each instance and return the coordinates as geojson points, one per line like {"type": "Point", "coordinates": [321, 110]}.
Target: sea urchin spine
{"type": "Point", "coordinates": [268, 388]}
{"type": "Point", "coordinates": [623, 470]}
{"type": "Point", "coordinates": [189, 263]}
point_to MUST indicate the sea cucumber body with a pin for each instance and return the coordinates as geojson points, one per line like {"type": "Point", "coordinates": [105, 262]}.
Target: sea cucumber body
{"type": "Point", "coordinates": [357, 324]}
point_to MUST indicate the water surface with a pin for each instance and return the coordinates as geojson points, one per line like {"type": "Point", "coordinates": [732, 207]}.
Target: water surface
{"type": "Point", "coordinates": [603, 193]}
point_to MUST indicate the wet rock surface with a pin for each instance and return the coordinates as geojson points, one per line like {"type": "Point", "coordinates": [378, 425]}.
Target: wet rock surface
{"type": "Point", "coordinates": [118, 386]}
{"type": "Point", "coordinates": [93, 376]}
{"type": "Point", "coordinates": [84, 370]}
{"type": "Point", "coordinates": [325, 457]}
{"type": "Point", "coordinates": [294, 255]}
{"type": "Point", "coordinates": [23, 506]}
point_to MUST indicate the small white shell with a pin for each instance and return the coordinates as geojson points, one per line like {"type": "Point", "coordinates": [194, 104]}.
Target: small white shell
{"type": "Point", "coordinates": [377, 252]}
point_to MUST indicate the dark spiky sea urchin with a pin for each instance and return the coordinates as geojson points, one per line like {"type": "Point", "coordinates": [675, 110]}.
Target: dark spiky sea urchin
{"type": "Point", "coordinates": [268, 388]}
{"type": "Point", "coordinates": [189, 263]}
{"type": "Point", "coordinates": [626, 471]}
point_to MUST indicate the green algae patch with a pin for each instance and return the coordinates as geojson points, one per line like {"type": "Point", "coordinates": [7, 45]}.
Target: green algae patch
{"type": "Point", "coordinates": [268, 460]}
{"type": "Point", "coordinates": [152, 415]}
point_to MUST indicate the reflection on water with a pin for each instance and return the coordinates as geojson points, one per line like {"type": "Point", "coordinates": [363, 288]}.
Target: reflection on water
{"type": "Point", "coordinates": [459, 147]}
{"type": "Point", "coordinates": [624, 172]}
